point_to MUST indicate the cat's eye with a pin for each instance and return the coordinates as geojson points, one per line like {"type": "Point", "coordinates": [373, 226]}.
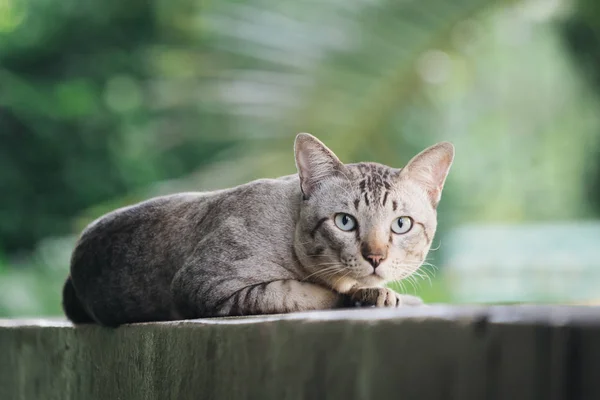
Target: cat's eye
{"type": "Point", "coordinates": [402, 225]}
{"type": "Point", "coordinates": [345, 222]}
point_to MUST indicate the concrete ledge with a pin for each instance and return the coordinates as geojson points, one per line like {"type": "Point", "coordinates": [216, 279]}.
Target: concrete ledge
{"type": "Point", "coordinates": [438, 352]}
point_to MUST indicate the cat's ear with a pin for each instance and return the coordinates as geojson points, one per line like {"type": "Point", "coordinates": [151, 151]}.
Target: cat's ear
{"type": "Point", "coordinates": [315, 162]}
{"type": "Point", "coordinates": [430, 168]}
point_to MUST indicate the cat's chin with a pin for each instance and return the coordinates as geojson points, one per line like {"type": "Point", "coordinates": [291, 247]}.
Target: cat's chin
{"type": "Point", "coordinates": [371, 280]}
{"type": "Point", "coordinates": [346, 283]}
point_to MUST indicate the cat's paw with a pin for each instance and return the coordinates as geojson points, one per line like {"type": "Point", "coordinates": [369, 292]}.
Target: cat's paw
{"type": "Point", "coordinates": [410, 301]}
{"type": "Point", "coordinates": [383, 297]}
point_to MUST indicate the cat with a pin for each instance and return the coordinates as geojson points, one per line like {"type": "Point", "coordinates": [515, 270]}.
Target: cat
{"type": "Point", "coordinates": [330, 236]}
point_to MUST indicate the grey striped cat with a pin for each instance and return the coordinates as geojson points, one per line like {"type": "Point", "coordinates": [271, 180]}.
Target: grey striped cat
{"type": "Point", "coordinates": [330, 236]}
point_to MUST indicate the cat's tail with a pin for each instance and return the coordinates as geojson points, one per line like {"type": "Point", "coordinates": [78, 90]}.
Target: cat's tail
{"type": "Point", "coordinates": [72, 305]}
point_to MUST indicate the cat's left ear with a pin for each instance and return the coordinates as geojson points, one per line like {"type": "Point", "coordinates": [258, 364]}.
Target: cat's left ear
{"type": "Point", "coordinates": [315, 162]}
{"type": "Point", "coordinates": [430, 168]}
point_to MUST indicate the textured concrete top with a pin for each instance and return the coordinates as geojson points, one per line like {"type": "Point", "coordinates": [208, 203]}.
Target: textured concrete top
{"type": "Point", "coordinates": [513, 314]}
{"type": "Point", "coordinates": [437, 352]}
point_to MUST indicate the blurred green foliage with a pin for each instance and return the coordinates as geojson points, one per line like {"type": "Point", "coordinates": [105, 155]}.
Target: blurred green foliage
{"type": "Point", "coordinates": [106, 103]}
{"type": "Point", "coordinates": [77, 121]}
{"type": "Point", "coordinates": [581, 32]}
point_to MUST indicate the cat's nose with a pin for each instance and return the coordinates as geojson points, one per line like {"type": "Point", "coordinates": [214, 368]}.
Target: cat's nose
{"type": "Point", "coordinates": [374, 251]}
{"type": "Point", "coordinates": [374, 259]}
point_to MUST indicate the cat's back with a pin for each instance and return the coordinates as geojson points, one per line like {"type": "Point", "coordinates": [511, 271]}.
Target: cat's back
{"type": "Point", "coordinates": [262, 196]}
{"type": "Point", "coordinates": [256, 212]}
{"type": "Point", "coordinates": [189, 214]}
{"type": "Point", "coordinates": [157, 209]}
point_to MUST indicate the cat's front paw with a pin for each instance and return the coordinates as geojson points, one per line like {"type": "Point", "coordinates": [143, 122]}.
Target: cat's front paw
{"type": "Point", "coordinates": [383, 297]}
{"type": "Point", "coordinates": [410, 301]}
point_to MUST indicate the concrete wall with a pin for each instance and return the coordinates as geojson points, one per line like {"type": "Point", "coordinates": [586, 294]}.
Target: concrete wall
{"type": "Point", "coordinates": [437, 352]}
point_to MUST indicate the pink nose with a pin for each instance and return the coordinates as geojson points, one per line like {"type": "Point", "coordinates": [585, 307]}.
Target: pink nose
{"type": "Point", "coordinates": [374, 259]}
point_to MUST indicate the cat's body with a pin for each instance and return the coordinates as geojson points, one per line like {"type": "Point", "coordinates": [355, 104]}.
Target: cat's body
{"type": "Point", "coordinates": [152, 250]}
{"type": "Point", "coordinates": [269, 246]}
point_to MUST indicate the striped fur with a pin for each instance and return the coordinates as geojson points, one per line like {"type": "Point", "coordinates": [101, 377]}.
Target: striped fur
{"type": "Point", "coordinates": [269, 246]}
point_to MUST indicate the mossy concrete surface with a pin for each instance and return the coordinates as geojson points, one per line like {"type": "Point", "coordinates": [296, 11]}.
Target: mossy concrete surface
{"type": "Point", "coordinates": [438, 352]}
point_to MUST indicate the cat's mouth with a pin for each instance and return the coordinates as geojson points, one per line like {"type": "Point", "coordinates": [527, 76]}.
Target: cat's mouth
{"type": "Point", "coordinates": [374, 278]}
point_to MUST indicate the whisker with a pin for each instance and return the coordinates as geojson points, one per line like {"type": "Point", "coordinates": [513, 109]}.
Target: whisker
{"type": "Point", "coordinates": [342, 277]}
{"type": "Point", "coordinates": [333, 267]}
{"type": "Point", "coordinates": [426, 271]}
{"type": "Point", "coordinates": [425, 276]}
{"type": "Point", "coordinates": [412, 284]}
{"type": "Point", "coordinates": [401, 284]}
{"type": "Point", "coordinates": [417, 283]}
{"type": "Point", "coordinates": [438, 246]}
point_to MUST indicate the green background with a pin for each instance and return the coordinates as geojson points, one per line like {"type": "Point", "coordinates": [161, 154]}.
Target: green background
{"type": "Point", "coordinates": [106, 103]}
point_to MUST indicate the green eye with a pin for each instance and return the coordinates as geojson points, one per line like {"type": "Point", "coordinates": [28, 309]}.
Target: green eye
{"type": "Point", "coordinates": [345, 222]}
{"type": "Point", "coordinates": [402, 225]}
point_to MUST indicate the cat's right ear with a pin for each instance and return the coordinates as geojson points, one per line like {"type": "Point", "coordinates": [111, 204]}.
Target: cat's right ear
{"type": "Point", "coordinates": [315, 162]}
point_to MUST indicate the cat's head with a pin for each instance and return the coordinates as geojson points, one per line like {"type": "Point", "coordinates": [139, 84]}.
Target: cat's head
{"type": "Point", "coordinates": [366, 224]}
